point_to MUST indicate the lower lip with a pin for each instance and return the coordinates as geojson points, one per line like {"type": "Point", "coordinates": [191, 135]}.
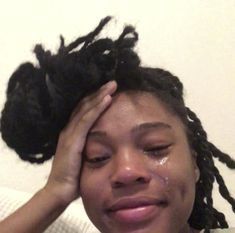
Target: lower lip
{"type": "Point", "coordinates": [135, 215]}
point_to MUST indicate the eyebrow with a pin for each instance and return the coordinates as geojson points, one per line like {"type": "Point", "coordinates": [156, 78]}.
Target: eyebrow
{"type": "Point", "coordinates": [137, 129]}
{"type": "Point", "coordinates": [97, 134]}
{"type": "Point", "coordinates": [151, 125]}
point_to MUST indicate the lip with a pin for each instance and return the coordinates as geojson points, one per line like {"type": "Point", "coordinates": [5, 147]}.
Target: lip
{"type": "Point", "coordinates": [138, 209]}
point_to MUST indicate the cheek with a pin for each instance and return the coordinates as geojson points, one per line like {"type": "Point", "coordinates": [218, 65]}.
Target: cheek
{"type": "Point", "coordinates": [181, 185]}
{"type": "Point", "coordinates": [92, 187]}
{"type": "Point", "coordinates": [90, 183]}
{"type": "Point", "coordinates": [179, 176]}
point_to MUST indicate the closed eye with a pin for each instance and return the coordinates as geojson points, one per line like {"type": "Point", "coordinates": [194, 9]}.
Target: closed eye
{"type": "Point", "coordinates": [96, 160]}
{"type": "Point", "coordinates": [156, 151]}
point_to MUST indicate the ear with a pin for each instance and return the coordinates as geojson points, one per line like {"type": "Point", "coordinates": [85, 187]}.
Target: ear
{"type": "Point", "coordinates": [195, 166]}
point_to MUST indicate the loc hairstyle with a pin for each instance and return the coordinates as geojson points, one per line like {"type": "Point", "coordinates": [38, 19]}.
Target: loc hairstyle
{"type": "Point", "coordinates": [41, 98]}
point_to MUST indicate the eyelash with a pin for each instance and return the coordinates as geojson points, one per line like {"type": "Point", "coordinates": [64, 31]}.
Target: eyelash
{"type": "Point", "coordinates": [156, 151]}
{"type": "Point", "coordinates": [160, 150]}
{"type": "Point", "coordinates": [98, 159]}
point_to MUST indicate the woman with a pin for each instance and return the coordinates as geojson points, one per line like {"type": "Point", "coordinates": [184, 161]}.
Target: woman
{"type": "Point", "coordinates": [137, 156]}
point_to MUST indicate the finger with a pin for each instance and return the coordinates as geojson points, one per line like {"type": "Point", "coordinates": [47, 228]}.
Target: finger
{"type": "Point", "coordinates": [88, 102]}
{"type": "Point", "coordinates": [103, 89]}
{"type": "Point", "coordinates": [79, 113]}
{"type": "Point", "coordinates": [82, 127]}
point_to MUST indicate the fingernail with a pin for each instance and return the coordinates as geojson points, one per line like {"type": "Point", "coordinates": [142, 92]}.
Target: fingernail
{"type": "Point", "coordinates": [108, 84]}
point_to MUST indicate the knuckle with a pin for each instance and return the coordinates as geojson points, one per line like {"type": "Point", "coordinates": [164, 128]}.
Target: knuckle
{"type": "Point", "coordinates": [84, 119]}
{"type": "Point", "coordinates": [65, 143]}
{"type": "Point", "coordinates": [86, 99]}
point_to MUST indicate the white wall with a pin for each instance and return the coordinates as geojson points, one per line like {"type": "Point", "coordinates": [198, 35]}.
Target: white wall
{"type": "Point", "coordinates": [194, 39]}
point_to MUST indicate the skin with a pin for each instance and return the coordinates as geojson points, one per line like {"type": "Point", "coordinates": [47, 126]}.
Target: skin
{"type": "Point", "coordinates": [138, 149]}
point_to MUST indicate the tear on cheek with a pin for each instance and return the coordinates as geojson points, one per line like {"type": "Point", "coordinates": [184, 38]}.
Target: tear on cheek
{"type": "Point", "coordinates": [163, 161]}
{"type": "Point", "coordinates": [160, 171]}
{"type": "Point", "coordinates": [161, 178]}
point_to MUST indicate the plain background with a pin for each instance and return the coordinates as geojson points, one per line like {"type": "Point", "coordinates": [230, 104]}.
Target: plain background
{"type": "Point", "coordinates": [193, 39]}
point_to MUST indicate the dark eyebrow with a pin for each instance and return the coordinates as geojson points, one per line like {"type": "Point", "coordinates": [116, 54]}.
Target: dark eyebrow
{"type": "Point", "coordinates": [97, 134]}
{"type": "Point", "coordinates": [151, 125]}
{"type": "Point", "coordinates": [139, 128]}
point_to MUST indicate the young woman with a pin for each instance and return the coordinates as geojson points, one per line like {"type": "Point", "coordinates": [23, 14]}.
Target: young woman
{"type": "Point", "coordinates": [122, 137]}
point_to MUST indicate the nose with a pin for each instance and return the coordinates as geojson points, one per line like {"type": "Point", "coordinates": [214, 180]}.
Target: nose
{"type": "Point", "coordinates": [130, 168]}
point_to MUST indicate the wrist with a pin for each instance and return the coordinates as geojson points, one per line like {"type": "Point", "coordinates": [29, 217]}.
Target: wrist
{"type": "Point", "coordinates": [60, 195]}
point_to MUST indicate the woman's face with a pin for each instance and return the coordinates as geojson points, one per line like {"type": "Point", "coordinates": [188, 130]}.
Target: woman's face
{"type": "Point", "coordinates": [138, 174]}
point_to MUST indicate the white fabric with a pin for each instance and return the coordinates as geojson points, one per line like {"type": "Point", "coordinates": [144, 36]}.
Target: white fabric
{"type": "Point", "coordinates": [230, 230]}
{"type": "Point", "coordinates": [73, 220]}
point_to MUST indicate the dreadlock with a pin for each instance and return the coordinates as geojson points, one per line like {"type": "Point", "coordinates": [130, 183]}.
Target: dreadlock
{"type": "Point", "coordinates": [41, 98]}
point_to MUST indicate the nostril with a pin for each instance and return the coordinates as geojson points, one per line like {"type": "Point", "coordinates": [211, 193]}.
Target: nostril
{"type": "Point", "coordinates": [141, 180]}
{"type": "Point", "coordinates": [130, 181]}
{"type": "Point", "coordinates": [117, 184]}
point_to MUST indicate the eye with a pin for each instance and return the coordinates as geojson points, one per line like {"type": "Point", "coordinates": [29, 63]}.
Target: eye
{"type": "Point", "coordinates": [157, 151]}
{"type": "Point", "coordinates": [97, 159]}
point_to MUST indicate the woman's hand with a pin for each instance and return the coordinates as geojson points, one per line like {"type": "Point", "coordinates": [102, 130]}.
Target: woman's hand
{"type": "Point", "coordinates": [63, 181]}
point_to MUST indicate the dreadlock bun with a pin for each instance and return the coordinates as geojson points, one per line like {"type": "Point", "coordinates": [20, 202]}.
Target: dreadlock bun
{"type": "Point", "coordinates": [41, 99]}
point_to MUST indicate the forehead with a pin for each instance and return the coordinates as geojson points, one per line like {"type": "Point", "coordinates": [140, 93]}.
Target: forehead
{"type": "Point", "coordinates": [134, 108]}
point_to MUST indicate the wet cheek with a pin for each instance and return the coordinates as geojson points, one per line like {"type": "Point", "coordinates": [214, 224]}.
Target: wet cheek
{"type": "Point", "coordinates": [175, 178]}
{"type": "Point", "coordinates": [181, 189]}
{"type": "Point", "coordinates": [177, 185]}
{"type": "Point", "coordinates": [159, 170]}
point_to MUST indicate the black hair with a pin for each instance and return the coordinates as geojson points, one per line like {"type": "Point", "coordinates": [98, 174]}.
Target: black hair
{"type": "Point", "coordinates": [41, 98]}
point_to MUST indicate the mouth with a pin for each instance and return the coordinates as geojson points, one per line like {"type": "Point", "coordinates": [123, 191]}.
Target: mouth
{"type": "Point", "coordinates": [134, 210]}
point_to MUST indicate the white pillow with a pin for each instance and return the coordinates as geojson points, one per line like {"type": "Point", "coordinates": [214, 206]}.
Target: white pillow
{"type": "Point", "coordinates": [73, 220]}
